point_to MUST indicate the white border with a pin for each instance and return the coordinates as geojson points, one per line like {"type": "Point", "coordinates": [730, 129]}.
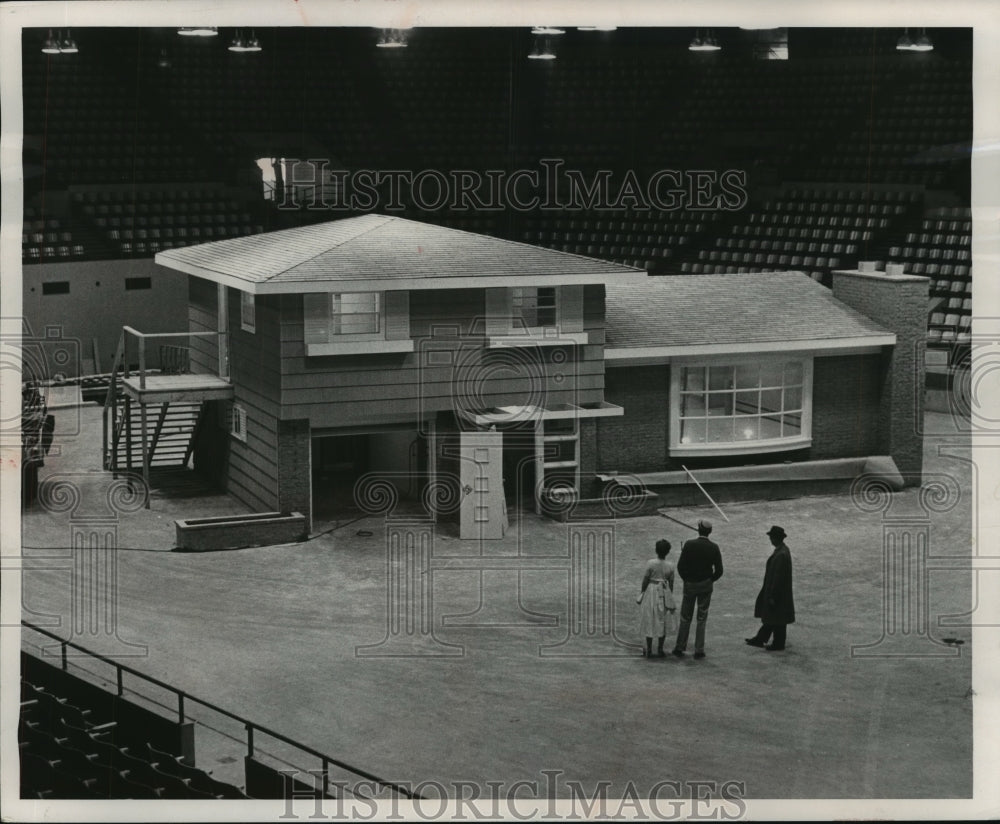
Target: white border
{"type": "Point", "coordinates": [981, 14]}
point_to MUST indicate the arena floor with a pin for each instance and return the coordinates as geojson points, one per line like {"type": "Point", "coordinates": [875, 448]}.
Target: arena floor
{"type": "Point", "coordinates": [271, 633]}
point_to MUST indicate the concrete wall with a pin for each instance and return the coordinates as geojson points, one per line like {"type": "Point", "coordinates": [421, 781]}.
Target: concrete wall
{"type": "Point", "coordinates": [98, 304]}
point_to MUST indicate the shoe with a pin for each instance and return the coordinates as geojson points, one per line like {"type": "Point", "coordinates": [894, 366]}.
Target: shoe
{"type": "Point", "coordinates": [677, 653]}
{"type": "Point", "coordinates": [698, 656]}
{"type": "Point", "coordinates": [753, 642]}
{"type": "Point", "coordinates": [773, 648]}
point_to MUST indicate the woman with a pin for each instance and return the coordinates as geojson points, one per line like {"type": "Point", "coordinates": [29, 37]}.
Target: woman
{"type": "Point", "coordinates": [656, 600]}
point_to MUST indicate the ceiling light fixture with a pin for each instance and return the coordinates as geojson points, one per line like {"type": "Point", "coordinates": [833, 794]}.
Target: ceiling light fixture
{"type": "Point", "coordinates": [68, 45]}
{"type": "Point", "coordinates": [708, 43]}
{"type": "Point", "coordinates": [904, 43]}
{"type": "Point", "coordinates": [391, 39]}
{"type": "Point", "coordinates": [51, 45]}
{"type": "Point", "coordinates": [547, 30]}
{"type": "Point", "coordinates": [198, 31]}
{"type": "Point", "coordinates": [542, 50]}
{"type": "Point", "coordinates": [597, 28]}
{"type": "Point", "coordinates": [923, 43]}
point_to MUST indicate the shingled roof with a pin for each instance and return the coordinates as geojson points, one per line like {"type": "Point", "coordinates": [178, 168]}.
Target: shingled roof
{"type": "Point", "coordinates": [705, 314]}
{"type": "Point", "coordinates": [374, 252]}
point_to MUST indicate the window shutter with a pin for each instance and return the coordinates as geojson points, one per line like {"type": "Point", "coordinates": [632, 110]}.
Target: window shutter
{"type": "Point", "coordinates": [397, 315]}
{"type": "Point", "coordinates": [316, 313]}
{"type": "Point", "coordinates": [571, 308]}
{"type": "Point", "coordinates": [498, 311]}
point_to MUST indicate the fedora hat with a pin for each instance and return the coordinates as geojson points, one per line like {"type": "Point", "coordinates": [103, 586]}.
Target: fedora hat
{"type": "Point", "coordinates": [776, 531]}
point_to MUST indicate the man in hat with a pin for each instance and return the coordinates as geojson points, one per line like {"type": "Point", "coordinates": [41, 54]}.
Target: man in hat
{"type": "Point", "coordinates": [699, 566]}
{"type": "Point", "coordinates": [775, 606]}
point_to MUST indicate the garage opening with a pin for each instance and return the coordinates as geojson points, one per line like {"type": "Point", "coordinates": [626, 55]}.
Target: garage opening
{"type": "Point", "coordinates": [338, 461]}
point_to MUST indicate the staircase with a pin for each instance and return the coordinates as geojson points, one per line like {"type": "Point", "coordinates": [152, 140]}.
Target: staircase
{"type": "Point", "coordinates": [171, 428]}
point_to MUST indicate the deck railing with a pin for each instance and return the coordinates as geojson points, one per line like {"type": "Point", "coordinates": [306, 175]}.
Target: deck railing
{"type": "Point", "coordinates": [172, 360]}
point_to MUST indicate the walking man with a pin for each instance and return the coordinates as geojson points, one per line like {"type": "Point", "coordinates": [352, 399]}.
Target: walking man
{"type": "Point", "coordinates": [775, 606]}
{"type": "Point", "coordinates": [699, 566]}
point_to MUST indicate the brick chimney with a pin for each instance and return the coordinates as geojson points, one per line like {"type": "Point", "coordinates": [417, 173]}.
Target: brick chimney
{"type": "Point", "coordinates": [898, 302]}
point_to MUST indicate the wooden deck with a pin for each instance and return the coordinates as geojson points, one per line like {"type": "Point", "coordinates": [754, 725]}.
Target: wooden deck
{"type": "Point", "coordinates": [172, 388]}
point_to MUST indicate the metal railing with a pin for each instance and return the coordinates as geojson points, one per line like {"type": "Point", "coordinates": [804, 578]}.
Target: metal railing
{"type": "Point", "coordinates": [249, 726]}
{"type": "Point", "coordinates": [121, 369]}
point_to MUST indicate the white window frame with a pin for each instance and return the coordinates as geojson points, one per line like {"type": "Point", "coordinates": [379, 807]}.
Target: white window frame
{"type": "Point", "coordinates": [504, 327]}
{"type": "Point", "coordinates": [393, 326]}
{"type": "Point", "coordinates": [378, 334]}
{"type": "Point", "coordinates": [248, 312]}
{"type": "Point", "coordinates": [749, 447]}
{"type": "Point", "coordinates": [238, 422]}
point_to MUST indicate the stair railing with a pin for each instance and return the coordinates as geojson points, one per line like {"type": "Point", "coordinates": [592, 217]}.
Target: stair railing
{"type": "Point", "coordinates": [110, 412]}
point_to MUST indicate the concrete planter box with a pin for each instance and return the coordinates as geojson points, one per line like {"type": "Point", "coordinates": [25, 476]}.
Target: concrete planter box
{"type": "Point", "coordinates": [238, 531]}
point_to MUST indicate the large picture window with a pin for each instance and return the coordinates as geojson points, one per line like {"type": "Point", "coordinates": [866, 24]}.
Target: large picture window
{"type": "Point", "coordinates": [753, 406]}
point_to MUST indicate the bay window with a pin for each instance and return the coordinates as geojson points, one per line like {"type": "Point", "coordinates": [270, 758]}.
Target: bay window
{"type": "Point", "coordinates": [720, 408]}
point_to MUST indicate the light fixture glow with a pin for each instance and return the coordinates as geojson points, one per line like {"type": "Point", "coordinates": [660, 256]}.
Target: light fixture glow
{"type": "Point", "coordinates": [904, 43]}
{"type": "Point", "coordinates": [238, 44]}
{"type": "Point", "coordinates": [198, 31]}
{"type": "Point", "coordinates": [923, 43]}
{"type": "Point", "coordinates": [68, 44]}
{"type": "Point", "coordinates": [597, 28]}
{"type": "Point", "coordinates": [708, 43]}
{"type": "Point", "coordinates": [542, 50]}
{"type": "Point", "coordinates": [546, 30]}
{"type": "Point", "coordinates": [391, 39]}
{"type": "Point", "coordinates": [51, 45]}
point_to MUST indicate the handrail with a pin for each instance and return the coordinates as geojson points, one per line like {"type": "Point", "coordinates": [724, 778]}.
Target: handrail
{"type": "Point", "coordinates": [143, 336]}
{"type": "Point", "coordinates": [250, 726]}
{"type": "Point", "coordinates": [112, 399]}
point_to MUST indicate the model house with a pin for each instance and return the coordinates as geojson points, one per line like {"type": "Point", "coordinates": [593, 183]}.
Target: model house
{"type": "Point", "coordinates": [377, 346]}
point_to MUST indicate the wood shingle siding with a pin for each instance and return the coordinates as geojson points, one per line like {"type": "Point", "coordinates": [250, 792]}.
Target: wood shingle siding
{"type": "Point", "coordinates": [347, 390]}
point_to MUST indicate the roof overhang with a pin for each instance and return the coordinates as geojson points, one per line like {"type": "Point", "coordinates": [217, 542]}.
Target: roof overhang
{"type": "Point", "coordinates": [647, 355]}
{"type": "Point", "coordinates": [376, 284]}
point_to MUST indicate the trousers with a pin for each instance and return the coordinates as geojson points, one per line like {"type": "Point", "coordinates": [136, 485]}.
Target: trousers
{"type": "Point", "coordinates": [703, 601]}
{"type": "Point", "coordinates": [777, 630]}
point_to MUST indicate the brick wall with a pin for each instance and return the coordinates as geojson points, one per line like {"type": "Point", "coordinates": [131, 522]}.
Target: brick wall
{"type": "Point", "coordinates": [846, 400]}
{"type": "Point", "coordinates": [900, 304]}
{"type": "Point", "coordinates": [294, 475]}
{"type": "Point", "coordinates": [637, 441]}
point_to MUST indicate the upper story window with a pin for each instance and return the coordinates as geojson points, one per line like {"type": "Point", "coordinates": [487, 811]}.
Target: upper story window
{"type": "Point", "coordinates": [342, 323]}
{"type": "Point", "coordinates": [530, 315]}
{"type": "Point", "coordinates": [720, 408]}
{"type": "Point", "coordinates": [535, 306]}
{"type": "Point", "coordinates": [355, 313]}
{"type": "Point", "coordinates": [248, 312]}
